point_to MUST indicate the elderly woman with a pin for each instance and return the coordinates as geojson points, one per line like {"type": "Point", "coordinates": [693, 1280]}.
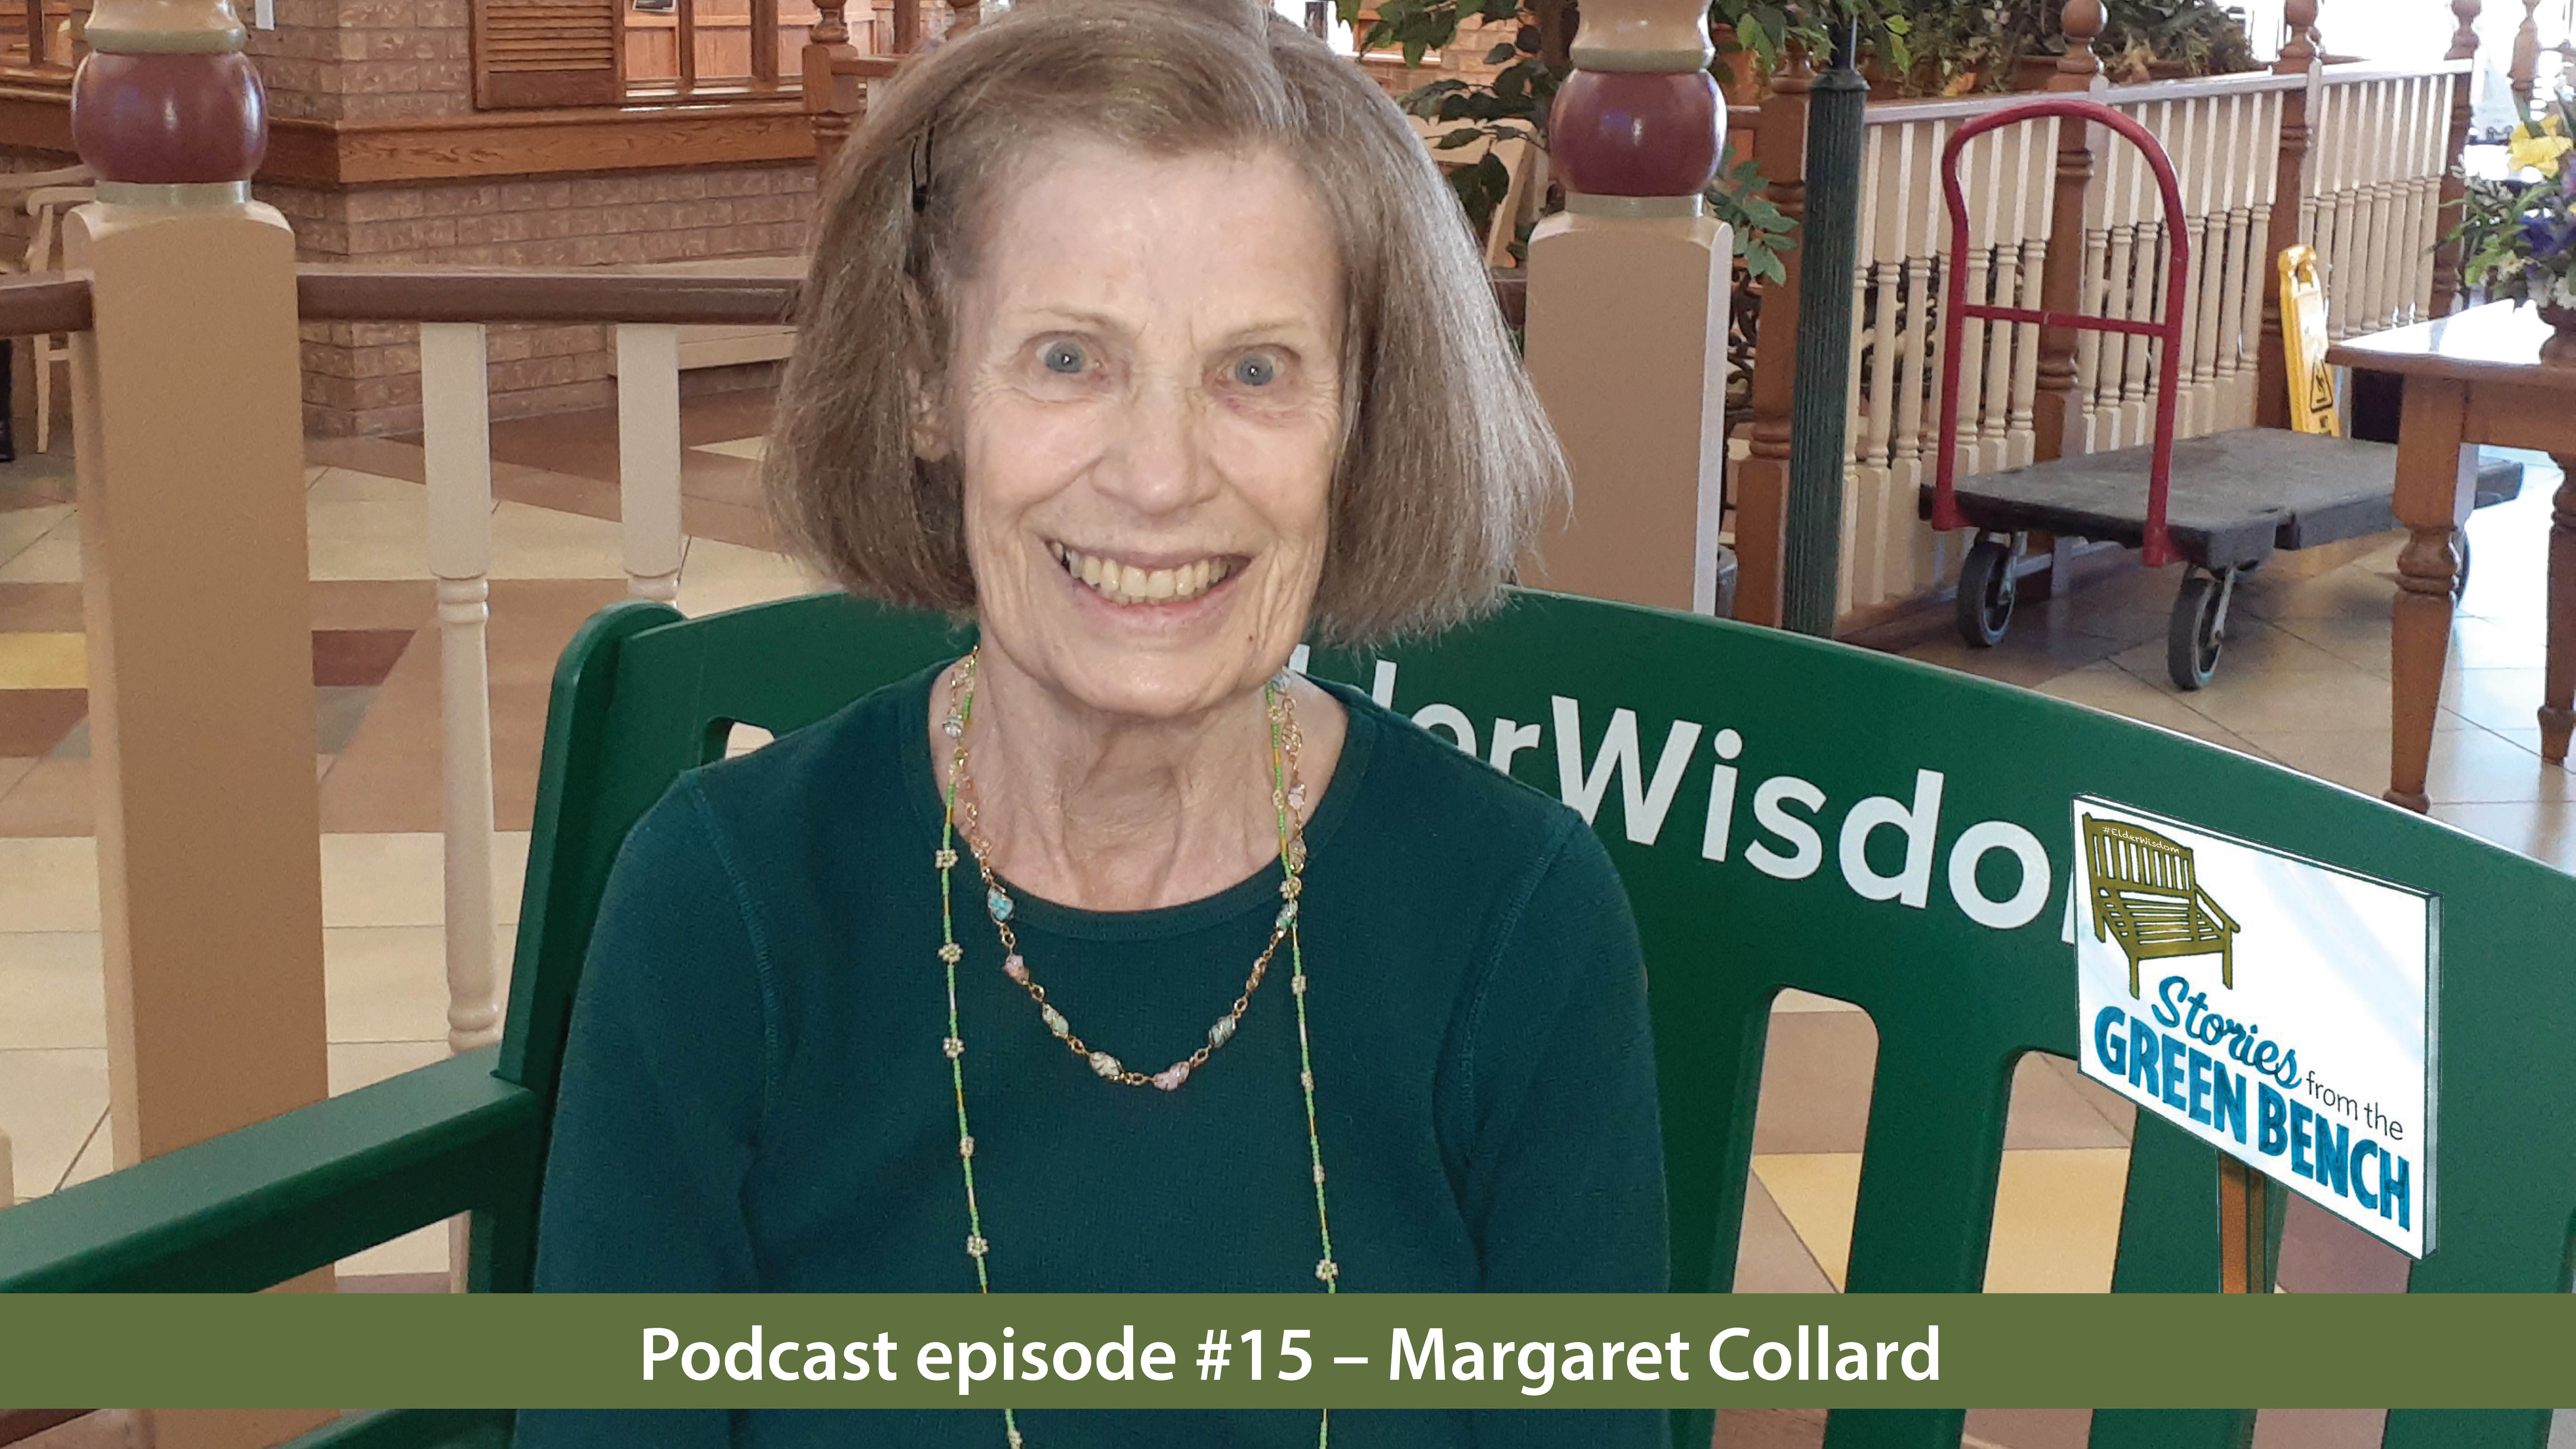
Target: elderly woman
{"type": "Point", "coordinates": [1113, 956]}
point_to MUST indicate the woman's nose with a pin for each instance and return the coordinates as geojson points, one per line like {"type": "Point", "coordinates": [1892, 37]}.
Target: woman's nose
{"type": "Point", "coordinates": [1159, 463]}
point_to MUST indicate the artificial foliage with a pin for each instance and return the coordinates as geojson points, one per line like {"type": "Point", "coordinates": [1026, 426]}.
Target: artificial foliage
{"type": "Point", "coordinates": [2517, 235]}
{"type": "Point", "coordinates": [1920, 47]}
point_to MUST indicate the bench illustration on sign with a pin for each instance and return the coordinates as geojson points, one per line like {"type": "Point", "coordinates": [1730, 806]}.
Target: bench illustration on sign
{"type": "Point", "coordinates": [2145, 895]}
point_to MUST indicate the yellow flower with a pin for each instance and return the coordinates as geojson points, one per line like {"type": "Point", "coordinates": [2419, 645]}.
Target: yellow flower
{"type": "Point", "coordinates": [2541, 150]}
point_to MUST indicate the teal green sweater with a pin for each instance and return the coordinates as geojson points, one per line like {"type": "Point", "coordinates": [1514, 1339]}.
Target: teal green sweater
{"type": "Point", "coordinates": [755, 1097]}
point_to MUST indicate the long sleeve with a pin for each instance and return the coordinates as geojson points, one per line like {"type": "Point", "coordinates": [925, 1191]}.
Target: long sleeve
{"type": "Point", "coordinates": [1565, 1187]}
{"type": "Point", "coordinates": [664, 1080]}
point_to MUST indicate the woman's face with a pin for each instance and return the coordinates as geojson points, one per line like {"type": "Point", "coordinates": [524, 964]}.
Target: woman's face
{"type": "Point", "coordinates": [1146, 407]}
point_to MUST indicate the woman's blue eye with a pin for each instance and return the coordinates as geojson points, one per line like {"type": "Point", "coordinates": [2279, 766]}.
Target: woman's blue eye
{"type": "Point", "coordinates": [1256, 371]}
{"type": "Point", "coordinates": [1064, 357]}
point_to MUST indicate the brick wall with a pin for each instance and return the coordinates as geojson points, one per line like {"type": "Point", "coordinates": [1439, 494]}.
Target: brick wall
{"type": "Point", "coordinates": [365, 377]}
{"type": "Point", "coordinates": [367, 59]}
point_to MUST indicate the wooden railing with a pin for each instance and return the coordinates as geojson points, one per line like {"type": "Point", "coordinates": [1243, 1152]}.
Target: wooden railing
{"type": "Point", "coordinates": [2055, 224]}
{"type": "Point", "coordinates": [453, 308]}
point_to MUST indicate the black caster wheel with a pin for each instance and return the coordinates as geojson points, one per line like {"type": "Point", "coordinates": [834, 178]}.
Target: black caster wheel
{"type": "Point", "coordinates": [2460, 576]}
{"type": "Point", "coordinates": [2194, 639]}
{"type": "Point", "coordinates": [1986, 592]}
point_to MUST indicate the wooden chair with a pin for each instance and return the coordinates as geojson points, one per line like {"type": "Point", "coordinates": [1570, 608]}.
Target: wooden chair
{"type": "Point", "coordinates": [44, 195]}
{"type": "Point", "coordinates": [46, 204]}
{"type": "Point", "coordinates": [2144, 894]}
{"type": "Point", "coordinates": [642, 695]}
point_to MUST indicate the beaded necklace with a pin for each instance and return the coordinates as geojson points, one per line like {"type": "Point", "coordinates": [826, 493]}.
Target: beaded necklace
{"type": "Point", "coordinates": [1287, 798]}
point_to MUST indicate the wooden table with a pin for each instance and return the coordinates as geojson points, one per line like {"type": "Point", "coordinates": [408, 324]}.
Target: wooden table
{"type": "Point", "coordinates": [2474, 377]}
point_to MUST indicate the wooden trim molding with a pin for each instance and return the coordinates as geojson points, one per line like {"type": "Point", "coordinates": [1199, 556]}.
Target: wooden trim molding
{"type": "Point", "coordinates": [745, 296]}
{"type": "Point", "coordinates": [484, 145]}
{"type": "Point", "coordinates": [536, 143]}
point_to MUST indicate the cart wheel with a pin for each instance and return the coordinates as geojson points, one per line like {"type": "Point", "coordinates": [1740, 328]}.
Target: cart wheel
{"type": "Point", "coordinates": [2460, 579]}
{"type": "Point", "coordinates": [2192, 641]}
{"type": "Point", "coordinates": [1986, 590]}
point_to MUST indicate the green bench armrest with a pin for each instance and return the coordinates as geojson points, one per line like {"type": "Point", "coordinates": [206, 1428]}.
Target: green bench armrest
{"type": "Point", "coordinates": [260, 1205]}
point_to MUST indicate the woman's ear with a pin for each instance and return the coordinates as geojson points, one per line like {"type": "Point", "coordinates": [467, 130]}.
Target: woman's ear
{"type": "Point", "coordinates": [929, 422]}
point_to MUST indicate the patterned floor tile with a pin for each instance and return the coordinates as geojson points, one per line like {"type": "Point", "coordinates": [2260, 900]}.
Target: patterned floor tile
{"type": "Point", "coordinates": [34, 721]}
{"type": "Point", "coordinates": [44, 661]}
{"type": "Point", "coordinates": [357, 656]}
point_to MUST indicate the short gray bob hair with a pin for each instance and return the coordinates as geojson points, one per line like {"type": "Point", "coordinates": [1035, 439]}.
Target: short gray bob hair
{"type": "Point", "coordinates": [1448, 468]}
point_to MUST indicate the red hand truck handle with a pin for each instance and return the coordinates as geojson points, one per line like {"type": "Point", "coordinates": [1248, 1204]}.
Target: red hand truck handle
{"type": "Point", "coordinates": [1956, 310]}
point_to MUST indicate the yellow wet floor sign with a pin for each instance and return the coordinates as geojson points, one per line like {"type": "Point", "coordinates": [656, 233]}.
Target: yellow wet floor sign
{"type": "Point", "coordinates": [2303, 344]}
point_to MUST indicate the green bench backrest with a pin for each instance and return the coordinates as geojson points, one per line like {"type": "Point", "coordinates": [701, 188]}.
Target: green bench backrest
{"type": "Point", "coordinates": [1960, 979]}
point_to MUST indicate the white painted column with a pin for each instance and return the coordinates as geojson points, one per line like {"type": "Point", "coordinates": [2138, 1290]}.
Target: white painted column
{"type": "Point", "coordinates": [648, 458]}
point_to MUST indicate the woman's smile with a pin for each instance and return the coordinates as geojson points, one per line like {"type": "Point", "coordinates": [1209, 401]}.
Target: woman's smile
{"type": "Point", "coordinates": [1146, 581]}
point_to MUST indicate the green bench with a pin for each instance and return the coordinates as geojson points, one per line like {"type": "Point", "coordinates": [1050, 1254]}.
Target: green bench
{"type": "Point", "coordinates": [1749, 749]}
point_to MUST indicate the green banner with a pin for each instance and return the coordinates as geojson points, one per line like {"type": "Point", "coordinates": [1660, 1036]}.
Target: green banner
{"type": "Point", "coordinates": [1354, 1351]}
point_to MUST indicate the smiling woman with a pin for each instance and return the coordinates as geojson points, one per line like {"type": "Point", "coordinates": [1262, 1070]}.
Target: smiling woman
{"type": "Point", "coordinates": [1146, 338]}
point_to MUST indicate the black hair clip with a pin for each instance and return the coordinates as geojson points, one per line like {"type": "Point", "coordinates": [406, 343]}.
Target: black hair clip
{"type": "Point", "coordinates": [921, 171]}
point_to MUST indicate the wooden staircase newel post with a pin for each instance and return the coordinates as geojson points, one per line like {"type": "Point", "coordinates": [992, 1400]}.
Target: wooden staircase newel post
{"type": "Point", "coordinates": [2057, 406]}
{"type": "Point", "coordinates": [1628, 297]}
{"type": "Point", "coordinates": [2464, 86]}
{"type": "Point", "coordinates": [2524, 72]}
{"type": "Point", "coordinates": [832, 100]}
{"type": "Point", "coordinates": [188, 424]}
{"type": "Point", "coordinates": [2272, 367]}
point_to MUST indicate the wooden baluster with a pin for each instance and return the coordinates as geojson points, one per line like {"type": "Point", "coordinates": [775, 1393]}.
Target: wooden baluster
{"type": "Point", "coordinates": [2415, 173]}
{"type": "Point", "coordinates": [2029, 269]}
{"type": "Point", "coordinates": [2057, 411]}
{"type": "Point", "coordinates": [2262, 175]}
{"type": "Point", "coordinates": [1918, 241]}
{"type": "Point", "coordinates": [2221, 135]}
{"type": "Point", "coordinates": [648, 459]}
{"type": "Point", "coordinates": [2194, 122]}
{"type": "Point", "coordinates": [2345, 153]}
{"type": "Point", "coordinates": [2247, 148]}
{"type": "Point", "coordinates": [1627, 309]}
{"type": "Point", "coordinates": [907, 26]}
{"type": "Point", "coordinates": [1994, 399]}
{"type": "Point", "coordinates": [2289, 190]}
{"type": "Point", "coordinates": [833, 101]}
{"type": "Point", "coordinates": [1851, 584]}
{"type": "Point", "coordinates": [963, 15]}
{"type": "Point", "coordinates": [2384, 150]}
{"type": "Point", "coordinates": [1927, 230]}
{"type": "Point", "coordinates": [2424, 189]}
{"type": "Point", "coordinates": [1881, 260]}
{"type": "Point", "coordinates": [188, 416]}
{"type": "Point", "coordinates": [2446, 262]}
{"type": "Point", "coordinates": [2096, 301]}
{"type": "Point", "coordinates": [1762, 478]}
{"type": "Point", "coordinates": [456, 446]}
{"type": "Point", "coordinates": [2524, 73]}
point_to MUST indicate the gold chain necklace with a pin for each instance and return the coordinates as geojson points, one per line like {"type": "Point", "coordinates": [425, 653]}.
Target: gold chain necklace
{"type": "Point", "coordinates": [1287, 797]}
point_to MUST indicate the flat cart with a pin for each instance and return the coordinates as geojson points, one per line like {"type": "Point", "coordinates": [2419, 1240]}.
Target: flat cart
{"type": "Point", "coordinates": [2241, 495]}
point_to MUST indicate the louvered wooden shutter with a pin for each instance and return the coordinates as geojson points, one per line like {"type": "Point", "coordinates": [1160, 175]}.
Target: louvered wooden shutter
{"type": "Point", "coordinates": [547, 53]}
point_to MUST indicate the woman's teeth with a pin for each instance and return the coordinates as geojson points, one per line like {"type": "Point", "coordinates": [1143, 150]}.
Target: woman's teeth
{"type": "Point", "coordinates": [1128, 584]}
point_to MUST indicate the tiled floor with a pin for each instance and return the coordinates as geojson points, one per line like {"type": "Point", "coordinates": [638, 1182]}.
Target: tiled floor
{"type": "Point", "coordinates": [2304, 683]}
